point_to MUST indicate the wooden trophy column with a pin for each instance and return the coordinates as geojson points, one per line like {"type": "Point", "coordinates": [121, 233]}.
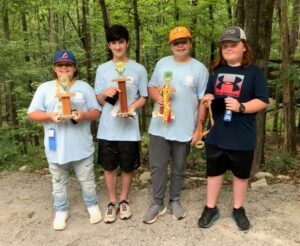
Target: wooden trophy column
{"type": "Point", "coordinates": [64, 98]}
{"type": "Point", "coordinates": [122, 95]}
{"type": "Point", "coordinates": [66, 105]}
{"type": "Point", "coordinates": [124, 112]}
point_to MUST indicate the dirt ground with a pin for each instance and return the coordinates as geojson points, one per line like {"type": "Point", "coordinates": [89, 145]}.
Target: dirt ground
{"type": "Point", "coordinates": [26, 217]}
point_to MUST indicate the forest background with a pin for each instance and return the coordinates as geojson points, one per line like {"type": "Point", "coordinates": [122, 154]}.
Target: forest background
{"type": "Point", "coordinates": [31, 31]}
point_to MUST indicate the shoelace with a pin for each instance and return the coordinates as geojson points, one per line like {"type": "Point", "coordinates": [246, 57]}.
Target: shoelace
{"type": "Point", "coordinates": [110, 208]}
{"type": "Point", "coordinates": [124, 205]}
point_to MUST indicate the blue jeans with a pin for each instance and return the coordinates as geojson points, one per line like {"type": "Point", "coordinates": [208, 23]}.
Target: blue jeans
{"type": "Point", "coordinates": [84, 170]}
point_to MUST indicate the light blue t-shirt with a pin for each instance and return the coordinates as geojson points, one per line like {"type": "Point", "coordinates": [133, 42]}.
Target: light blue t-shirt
{"type": "Point", "coordinates": [74, 142]}
{"type": "Point", "coordinates": [111, 127]}
{"type": "Point", "coordinates": [190, 81]}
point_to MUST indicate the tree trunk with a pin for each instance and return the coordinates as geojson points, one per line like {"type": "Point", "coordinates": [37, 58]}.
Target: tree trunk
{"type": "Point", "coordinates": [10, 86]}
{"type": "Point", "coordinates": [229, 11]}
{"type": "Point", "coordinates": [193, 27]}
{"type": "Point", "coordinates": [294, 30]}
{"type": "Point", "coordinates": [137, 26]}
{"type": "Point", "coordinates": [86, 40]}
{"type": "Point", "coordinates": [240, 13]}
{"type": "Point", "coordinates": [212, 24]}
{"type": "Point", "coordinates": [106, 23]}
{"type": "Point", "coordinates": [258, 27]}
{"type": "Point", "coordinates": [176, 12]}
{"type": "Point", "coordinates": [289, 135]}
{"type": "Point", "coordinates": [1, 103]}
{"type": "Point", "coordinates": [278, 97]}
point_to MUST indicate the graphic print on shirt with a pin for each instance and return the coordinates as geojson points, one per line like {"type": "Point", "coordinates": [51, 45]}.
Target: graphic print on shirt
{"type": "Point", "coordinates": [229, 84]}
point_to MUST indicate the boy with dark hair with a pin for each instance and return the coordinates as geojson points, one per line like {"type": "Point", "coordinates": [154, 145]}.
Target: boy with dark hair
{"type": "Point", "coordinates": [119, 136]}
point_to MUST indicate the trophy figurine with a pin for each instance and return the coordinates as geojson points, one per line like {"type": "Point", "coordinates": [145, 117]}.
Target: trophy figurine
{"type": "Point", "coordinates": [122, 97]}
{"type": "Point", "coordinates": [165, 110]}
{"type": "Point", "coordinates": [65, 112]}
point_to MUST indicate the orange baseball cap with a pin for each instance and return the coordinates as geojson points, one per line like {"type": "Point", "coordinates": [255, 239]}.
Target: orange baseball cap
{"type": "Point", "coordinates": [179, 32]}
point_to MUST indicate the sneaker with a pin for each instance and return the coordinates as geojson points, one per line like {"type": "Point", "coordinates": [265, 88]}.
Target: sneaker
{"type": "Point", "coordinates": [176, 209]}
{"type": "Point", "coordinates": [209, 215]}
{"type": "Point", "coordinates": [240, 218]}
{"type": "Point", "coordinates": [125, 210]}
{"type": "Point", "coordinates": [111, 213]}
{"type": "Point", "coordinates": [60, 220]}
{"type": "Point", "coordinates": [95, 214]}
{"type": "Point", "coordinates": [153, 212]}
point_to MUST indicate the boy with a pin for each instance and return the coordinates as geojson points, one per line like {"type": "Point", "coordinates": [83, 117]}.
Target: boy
{"type": "Point", "coordinates": [119, 136]}
{"type": "Point", "coordinates": [172, 140]}
{"type": "Point", "coordinates": [68, 143]}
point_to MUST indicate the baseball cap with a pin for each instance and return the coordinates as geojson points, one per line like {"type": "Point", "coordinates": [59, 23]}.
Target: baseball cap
{"type": "Point", "coordinates": [179, 32]}
{"type": "Point", "coordinates": [233, 33]}
{"type": "Point", "coordinates": [64, 56]}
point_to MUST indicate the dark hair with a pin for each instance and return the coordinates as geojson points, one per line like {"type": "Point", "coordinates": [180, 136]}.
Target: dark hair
{"type": "Point", "coordinates": [247, 60]}
{"type": "Point", "coordinates": [117, 32]}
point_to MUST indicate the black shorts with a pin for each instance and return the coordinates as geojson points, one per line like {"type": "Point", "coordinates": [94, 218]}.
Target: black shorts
{"type": "Point", "coordinates": [125, 154]}
{"type": "Point", "coordinates": [218, 161]}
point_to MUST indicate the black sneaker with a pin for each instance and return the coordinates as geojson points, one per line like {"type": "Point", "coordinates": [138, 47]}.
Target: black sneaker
{"type": "Point", "coordinates": [240, 218]}
{"type": "Point", "coordinates": [209, 215]}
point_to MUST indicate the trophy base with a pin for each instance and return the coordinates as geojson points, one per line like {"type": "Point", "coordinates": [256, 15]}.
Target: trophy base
{"type": "Point", "coordinates": [126, 114]}
{"type": "Point", "coordinates": [65, 117]}
{"type": "Point", "coordinates": [156, 114]}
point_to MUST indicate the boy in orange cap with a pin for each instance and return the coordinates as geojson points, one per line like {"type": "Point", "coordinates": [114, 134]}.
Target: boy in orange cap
{"type": "Point", "coordinates": [172, 141]}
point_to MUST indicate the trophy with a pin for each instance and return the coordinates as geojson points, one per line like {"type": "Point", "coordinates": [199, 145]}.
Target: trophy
{"type": "Point", "coordinates": [122, 96]}
{"type": "Point", "coordinates": [64, 110]}
{"type": "Point", "coordinates": [165, 110]}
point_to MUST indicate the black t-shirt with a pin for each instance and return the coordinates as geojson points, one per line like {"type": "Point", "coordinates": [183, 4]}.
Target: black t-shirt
{"type": "Point", "coordinates": [244, 84]}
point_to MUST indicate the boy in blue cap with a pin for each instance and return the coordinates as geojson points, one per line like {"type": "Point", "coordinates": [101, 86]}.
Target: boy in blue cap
{"type": "Point", "coordinates": [68, 143]}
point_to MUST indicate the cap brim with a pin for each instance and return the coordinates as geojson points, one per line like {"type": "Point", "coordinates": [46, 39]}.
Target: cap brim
{"type": "Point", "coordinates": [231, 39]}
{"type": "Point", "coordinates": [64, 60]}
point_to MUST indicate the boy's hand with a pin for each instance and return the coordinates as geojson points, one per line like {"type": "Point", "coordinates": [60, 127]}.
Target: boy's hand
{"type": "Point", "coordinates": [206, 100]}
{"type": "Point", "coordinates": [111, 91]}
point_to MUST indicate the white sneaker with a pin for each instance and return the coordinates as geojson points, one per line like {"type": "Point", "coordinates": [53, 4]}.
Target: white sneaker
{"type": "Point", "coordinates": [125, 210]}
{"type": "Point", "coordinates": [95, 214]}
{"type": "Point", "coordinates": [60, 220]}
{"type": "Point", "coordinates": [111, 213]}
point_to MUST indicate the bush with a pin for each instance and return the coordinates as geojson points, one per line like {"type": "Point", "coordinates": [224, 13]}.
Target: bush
{"type": "Point", "coordinates": [280, 161]}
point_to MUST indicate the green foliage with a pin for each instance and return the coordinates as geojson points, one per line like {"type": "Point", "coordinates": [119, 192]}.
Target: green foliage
{"type": "Point", "coordinates": [26, 56]}
{"type": "Point", "coordinates": [145, 149]}
{"type": "Point", "coordinates": [280, 162]}
{"type": "Point", "coordinates": [8, 146]}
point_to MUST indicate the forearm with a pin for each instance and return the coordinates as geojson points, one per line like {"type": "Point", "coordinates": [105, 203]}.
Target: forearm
{"type": "Point", "coordinates": [202, 114]}
{"type": "Point", "coordinates": [254, 105]}
{"type": "Point", "coordinates": [139, 103]}
{"type": "Point", "coordinates": [40, 116]}
{"type": "Point", "coordinates": [89, 115]}
{"type": "Point", "coordinates": [154, 93]}
{"type": "Point", "coordinates": [101, 99]}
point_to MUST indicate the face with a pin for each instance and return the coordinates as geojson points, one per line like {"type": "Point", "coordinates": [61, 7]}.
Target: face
{"type": "Point", "coordinates": [65, 68]}
{"type": "Point", "coordinates": [181, 47]}
{"type": "Point", "coordinates": [119, 48]}
{"type": "Point", "coordinates": [233, 52]}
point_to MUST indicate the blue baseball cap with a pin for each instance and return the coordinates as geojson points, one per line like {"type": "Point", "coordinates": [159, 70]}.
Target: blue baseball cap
{"type": "Point", "coordinates": [64, 56]}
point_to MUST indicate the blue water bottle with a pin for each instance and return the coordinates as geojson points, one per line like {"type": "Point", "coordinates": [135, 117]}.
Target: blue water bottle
{"type": "Point", "coordinates": [227, 115]}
